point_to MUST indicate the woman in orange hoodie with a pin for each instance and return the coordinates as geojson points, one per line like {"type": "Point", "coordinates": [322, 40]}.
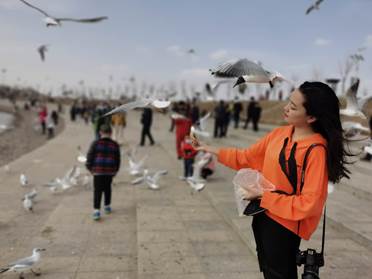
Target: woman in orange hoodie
{"type": "Point", "coordinates": [293, 211]}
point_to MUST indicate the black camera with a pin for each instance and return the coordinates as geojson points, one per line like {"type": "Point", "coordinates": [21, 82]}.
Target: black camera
{"type": "Point", "coordinates": [312, 261]}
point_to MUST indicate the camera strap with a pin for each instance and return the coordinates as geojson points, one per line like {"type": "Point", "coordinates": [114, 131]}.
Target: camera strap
{"type": "Point", "coordinates": [291, 173]}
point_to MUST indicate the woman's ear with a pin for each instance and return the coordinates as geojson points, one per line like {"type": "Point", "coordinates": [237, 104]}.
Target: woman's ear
{"type": "Point", "coordinates": [311, 119]}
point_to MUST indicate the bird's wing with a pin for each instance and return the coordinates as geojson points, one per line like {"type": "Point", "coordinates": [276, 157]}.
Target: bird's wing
{"type": "Point", "coordinates": [318, 2]}
{"type": "Point", "coordinates": [35, 8]}
{"type": "Point", "coordinates": [83, 20]}
{"type": "Point", "coordinates": [201, 133]}
{"type": "Point", "coordinates": [25, 261]}
{"type": "Point", "coordinates": [309, 9]}
{"type": "Point", "coordinates": [351, 99]}
{"type": "Point", "coordinates": [128, 106]}
{"type": "Point", "coordinates": [137, 180]}
{"type": "Point", "coordinates": [239, 68]}
{"type": "Point", "coordinates": [160, 103]}
{"type": "Point", "coordinates": [362, 103]}
{"type": "Point", "coordinates": [155, 177]}
{"type": "Point", "coordinates": [203, 121]}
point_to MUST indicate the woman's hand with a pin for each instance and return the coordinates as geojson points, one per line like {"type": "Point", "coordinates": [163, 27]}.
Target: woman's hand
{"type": "Point", "coordinates": [249, 195]}
{"type": "Point", "coordinates": [198, 145]}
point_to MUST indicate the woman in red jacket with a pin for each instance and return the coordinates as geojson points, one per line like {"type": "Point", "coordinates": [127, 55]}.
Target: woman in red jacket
{"type": "Point", "coordinates": [292, 214]}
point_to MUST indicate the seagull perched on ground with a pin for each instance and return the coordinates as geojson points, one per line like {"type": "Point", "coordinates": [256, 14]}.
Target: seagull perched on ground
{"type": "Point", "coordinates": [24, 264]}
{"type": "Point", "coordinates": [57, 21]}
{"type": "Point", "coordinates": [81, 157]}
{"type": "Point", "coordinates": [23, 180]}
{"type": "Point", "coordinates": [140, 103]}
{"type": "Point", "coordinates": [354, 106]}
{"type": "Point", "coordinates": [28, 200]}
{"type": "Point", "coordinates": [42, 49]}
{"type": "Point", "coordinates": [315, 6]}
{"type": "Point", "coordinates": [28, 203]}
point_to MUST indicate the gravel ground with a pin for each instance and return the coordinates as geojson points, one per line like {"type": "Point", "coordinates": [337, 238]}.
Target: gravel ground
{"type": "Point", "coordinates": [22, 138]}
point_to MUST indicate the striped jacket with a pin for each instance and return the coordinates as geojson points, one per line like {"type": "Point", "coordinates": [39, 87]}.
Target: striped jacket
{"type": "Point", "coordinates": [103, 157]}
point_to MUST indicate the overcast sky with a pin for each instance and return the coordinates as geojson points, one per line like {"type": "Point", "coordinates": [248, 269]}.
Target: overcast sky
{"type": "Point", "coordinates": [149, 39]}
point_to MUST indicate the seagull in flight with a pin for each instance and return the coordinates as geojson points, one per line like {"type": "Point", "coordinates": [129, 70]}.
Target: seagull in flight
{"type": "Point", "coordinates": [24, 264]}
{"type": "Point", "coordinates": [57, 21]}
{"type": "Point", "coordinates": [354, 106]}
{"type": "Point", "coordinates": [353, 129]}
{"type": "Point", "coordinates": [246, 71]}
{"type": "Point", "coordinates": [199, 129]}
{"type": "Point", "coordinates": [191, 51]}
{"type": "Point", "coordinates": [150, 180]}
{"type": "Point", "coordinates": [42, 49]}
{"type": "Point", "coordinates": [140, 103]}
{"type": "Point", "coordinates": [315, 6]}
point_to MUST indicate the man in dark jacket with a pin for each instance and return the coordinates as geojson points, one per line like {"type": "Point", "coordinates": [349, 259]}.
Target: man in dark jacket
{"type": "Point", "coordinates": [103, 161]}
{"type": "Point", "coordinates": [236, 112]}
{"type": "Point", "coordinates": [146, 121]}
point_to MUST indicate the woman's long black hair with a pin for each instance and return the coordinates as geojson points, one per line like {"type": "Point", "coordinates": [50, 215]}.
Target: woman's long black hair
{"type": "Point", "coordinates": [322, 103]}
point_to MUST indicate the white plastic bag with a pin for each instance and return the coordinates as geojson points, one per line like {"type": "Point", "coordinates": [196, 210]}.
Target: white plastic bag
{"type": "Point", "coordinates": [249, 184]}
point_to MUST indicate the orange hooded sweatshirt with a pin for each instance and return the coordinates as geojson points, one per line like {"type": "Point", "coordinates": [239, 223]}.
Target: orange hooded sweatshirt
{"type": "Point", "coordinates": [299, 213]}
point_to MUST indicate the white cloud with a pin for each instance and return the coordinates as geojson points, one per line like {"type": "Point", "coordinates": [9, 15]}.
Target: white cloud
{"type": "Point", "coordinates": [176, 50]}
{"type": "Point", "coordinates": [321, 42]}
{"type": "Point", "coordinates": [220, 54]}
{"type": "Point", "coordinates": [368, 41]}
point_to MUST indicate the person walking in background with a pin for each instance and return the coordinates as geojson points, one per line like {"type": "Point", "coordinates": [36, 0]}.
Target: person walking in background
{"type": "Point", "coordinates": [236, 112]}
{"type": "Point", "coordinates": [227, 118]}
{"type": "Point", "coordinates": [219, 117]}
{"type": "Point", "coordinates": [50, 126]}
{"type": "Point", "coordinates": [256, 115]}
{"type": "Point", "coordinates": [43, 114]}
{"type": "Point", "coordinates": [174, 110]}
{"type": "Point", "coordinates": [250, 111]}
{"type": "Point", "coordinates": [188, 155]}
{"type": "Point", "coordinates": [103, 161]}
{"type": "Point", "coordinates": [55, 117]}
{"type": "Point", "coordinates": [146, 121]}
{"type": "Point", "coordinates": [183, 126]}
{"type": "Point", "coordinates": [292, 212]}
{"type": "Point", "coordinates": [118, 122]}
{"type": "Point", "coordinates": [195, 112]}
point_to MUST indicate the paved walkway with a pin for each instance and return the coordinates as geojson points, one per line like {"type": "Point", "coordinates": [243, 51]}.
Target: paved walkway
{"type": "Point", "coordinates": [169, 233]}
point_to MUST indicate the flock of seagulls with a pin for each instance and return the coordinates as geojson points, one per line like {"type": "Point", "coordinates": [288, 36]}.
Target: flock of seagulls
{"type": "Point", "coordinates": [57, 21]}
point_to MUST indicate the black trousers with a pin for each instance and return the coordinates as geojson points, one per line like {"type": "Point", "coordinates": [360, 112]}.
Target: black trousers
{"type": "Point", "coordinates": [188, 168]}
{"type": "Point", "coordinates": [276, 248]}
{"type": "Point", "coordinates": [102, 185]}
{"type": "Point", "coordinates": [146, 132]}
